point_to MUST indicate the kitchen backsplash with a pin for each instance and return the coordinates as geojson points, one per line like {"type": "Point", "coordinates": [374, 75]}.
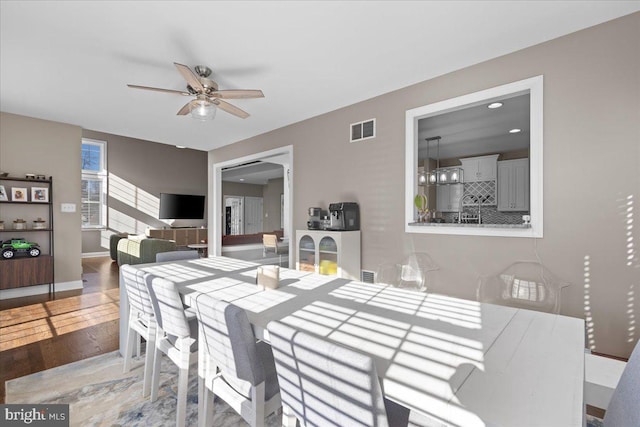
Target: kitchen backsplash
{"type": "Point", "coordinates": [490, 215]}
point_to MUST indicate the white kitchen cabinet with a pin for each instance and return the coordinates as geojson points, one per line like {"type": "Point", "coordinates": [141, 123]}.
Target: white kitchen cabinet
{"type": "Point", "coordinates": [482, 168]}
{"type": "Point", "coordinates": [513, 185]}
{"type": "Point", "coordinates": [448, 197]}
{"type": "Point", "coordinates": [332, 253]}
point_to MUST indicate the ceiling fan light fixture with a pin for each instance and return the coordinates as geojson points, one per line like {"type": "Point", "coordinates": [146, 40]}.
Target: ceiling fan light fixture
{"type": "Point", "coordinates": [202, 109]}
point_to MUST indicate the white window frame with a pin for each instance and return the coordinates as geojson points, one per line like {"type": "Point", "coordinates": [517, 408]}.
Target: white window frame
{"type": "Point", "coordinates": [534, 86]}
{"type": "Point", "coordinates": [100, 175]}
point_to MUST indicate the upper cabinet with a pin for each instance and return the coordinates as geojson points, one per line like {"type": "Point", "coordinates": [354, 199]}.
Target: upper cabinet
{"type": "Point", "coordinates": [482, 168]}
{"type": "Point", "coordinates": [448, 197]}
{"type": "Point", "coordinates": [513, 185]}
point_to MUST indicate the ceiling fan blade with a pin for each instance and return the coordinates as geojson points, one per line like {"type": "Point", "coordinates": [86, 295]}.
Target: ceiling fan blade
{"type": "Point", "coordinates": [157, 89]}
{"type": "Point", "coordinates": [184, 110]}
{"type": "Point", "coordinates": [237, 94]}
{"type": "Point", "coordinates": [232, 109]}
{"type": "Point", "coordinates": [190, 77]}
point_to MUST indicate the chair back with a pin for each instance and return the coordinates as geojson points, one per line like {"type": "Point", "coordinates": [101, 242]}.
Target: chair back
{"type": "Point", "coordinates": [136, 288]}
{"type": "Point", "coordinates": [411, 273]}
{"type": "Point", "coordinates": [624, 407]}
{"type": "Point", "coordinates": [325, 384]}
{"type": "Point", "coordinates": [228, 339]}
{"type": "Point", "coordinates": [525, 284]}
{"type": "Point", "coordinates": [176, 256]}
{"type": "Point", "coordinates": [270, 240]}
{"type": "Point", "coordinates": [168, 306]}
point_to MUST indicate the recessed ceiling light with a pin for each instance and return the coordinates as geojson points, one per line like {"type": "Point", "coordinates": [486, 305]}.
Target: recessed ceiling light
{"type": "Point", "coordinates": [514, 130]}
{"type": "Point", "coordinates": [180, 146]}
{"type": "Point", "coordinates": [495, 105]}
{"type": "Point", "coordinates": [241, 179]}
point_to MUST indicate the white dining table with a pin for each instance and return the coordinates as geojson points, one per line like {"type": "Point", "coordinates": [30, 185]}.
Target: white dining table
{"type": "Point", "coordinates": [457, 362]}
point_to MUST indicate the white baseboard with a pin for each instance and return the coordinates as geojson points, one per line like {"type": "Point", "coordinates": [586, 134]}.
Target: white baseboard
{"type": "Point", "coordinates": [95, 254]}
{"type": "Point", "coordinates": [28, 291]}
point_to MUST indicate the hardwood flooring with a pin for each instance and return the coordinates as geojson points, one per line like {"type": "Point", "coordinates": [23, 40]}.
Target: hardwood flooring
{"type": "Point", "coordinates": [38, 333]}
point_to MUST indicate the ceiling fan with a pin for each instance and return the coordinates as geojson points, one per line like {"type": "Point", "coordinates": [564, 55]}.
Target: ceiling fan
{"type": "Point", "coordinates": [207, 96]}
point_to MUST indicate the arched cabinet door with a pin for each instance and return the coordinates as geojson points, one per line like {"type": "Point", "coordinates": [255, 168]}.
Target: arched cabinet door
{"type": "Point", "coordinates": [330, 253]}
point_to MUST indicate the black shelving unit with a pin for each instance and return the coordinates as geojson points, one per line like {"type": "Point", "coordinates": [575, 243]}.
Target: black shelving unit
{"type": "Point", "coordinates": [14, 272]}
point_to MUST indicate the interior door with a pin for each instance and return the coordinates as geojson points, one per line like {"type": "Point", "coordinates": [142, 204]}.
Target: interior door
{"type": "Point", "coordinates": [252, 215]}
{"type": "Point", "coordinates": [234, 219]}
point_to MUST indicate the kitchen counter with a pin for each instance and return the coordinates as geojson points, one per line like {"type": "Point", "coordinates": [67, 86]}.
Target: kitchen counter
{"type": "Point", "coordinates": [455, 224]}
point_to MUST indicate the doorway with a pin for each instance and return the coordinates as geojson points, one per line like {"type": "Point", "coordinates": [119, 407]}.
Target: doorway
{"type": "Point", "coordinates": [282, 156]}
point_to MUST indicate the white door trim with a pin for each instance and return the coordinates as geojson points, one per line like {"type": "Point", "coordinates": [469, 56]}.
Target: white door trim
{"type": "Point", "coordinates": [282, 155]}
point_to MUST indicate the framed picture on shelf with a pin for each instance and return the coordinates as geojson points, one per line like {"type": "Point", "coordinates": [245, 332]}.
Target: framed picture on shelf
{"type": "Point", "coordinates": [18, 194]}
{"type": "Point", "coordinates": [40, 194]}
{"type": "Point", "coordinates": [3, 194]}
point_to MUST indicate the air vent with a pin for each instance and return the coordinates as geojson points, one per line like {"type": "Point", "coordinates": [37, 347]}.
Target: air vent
{"type": "Point", "coordinates": [363, 130]}
{"type": "Point", "coordinates": [367, 276]}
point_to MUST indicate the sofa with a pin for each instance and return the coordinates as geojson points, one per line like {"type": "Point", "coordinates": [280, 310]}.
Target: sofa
{"type": "Point", "coordinates": [113, 244]}
{"type": "Point", "coordinates": [246, 239]}
{"type": "Point", "coordinates": [142, 249]}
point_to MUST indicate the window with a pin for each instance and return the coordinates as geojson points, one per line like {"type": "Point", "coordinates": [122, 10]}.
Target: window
{"type": "Point", "coordinates": [94, 183]}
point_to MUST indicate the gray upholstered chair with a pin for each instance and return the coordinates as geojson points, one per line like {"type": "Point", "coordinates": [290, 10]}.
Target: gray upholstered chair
{"type": "Point", "coordinates": [141, 322]}
{"type": "Point", "coordinates": [624, 408]}
{"type": "Point", "coordinates": [176, 256]}
{"type": "Point", "coordinates": [525, 284]}
{"type": "Point", "coordinates": [232, 365]}
{"type": "Point", "coordinates": [324, 384]}
{"type": "Point", "coordinates": [176, 337]}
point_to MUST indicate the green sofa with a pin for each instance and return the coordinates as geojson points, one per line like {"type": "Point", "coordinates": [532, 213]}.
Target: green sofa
{"type": "Point", "coordinates": [141, 250]}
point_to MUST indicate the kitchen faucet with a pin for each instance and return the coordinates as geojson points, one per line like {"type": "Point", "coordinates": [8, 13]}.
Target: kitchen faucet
{"type": "Point", "coordinates": [476, 199]}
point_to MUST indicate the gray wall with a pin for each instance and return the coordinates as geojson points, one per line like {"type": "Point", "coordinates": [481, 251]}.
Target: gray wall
{"type": "Point", "coordinates": [29, 145]}
{"type": "Point", "coordinates": [272, 192]}
{"type": "Point", "coordinates": [591, 129]}
{"type": "Point", "coordinates": [138, 172]}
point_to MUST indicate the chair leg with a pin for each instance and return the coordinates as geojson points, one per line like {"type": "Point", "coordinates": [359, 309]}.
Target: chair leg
{"type": "Point", "coordinates": [155, 381]}
{"type": "Point", "coordinates": [128, 349]}
{"type": "Point", "coordinates": [148, 366]}
{"type": "Point", "coordinates": [288, 418]}
{"type": "Point", "coordinates": [205, 418]}
{"type": "Point", "coordinates": [257, 400]}
{"type": "Point", "coordinates": [181, 407]}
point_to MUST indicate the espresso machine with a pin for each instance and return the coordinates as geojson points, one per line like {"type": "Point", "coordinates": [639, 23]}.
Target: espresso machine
{"type": "Point", "coordinates": [345, 216]}
{"type": "Point", "coordinates": [315, 218]}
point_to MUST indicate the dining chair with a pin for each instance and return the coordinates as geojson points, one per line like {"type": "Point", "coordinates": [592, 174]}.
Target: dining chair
{"type": "Point", "coordinates": [411, 273]}
{"type": "Point", "coordinates": [176, 337]}
{"type": "Point", "coordinates": [176, 256]}
{"type": "Point", "coordinates": [232, 365]}
{"type": "Point", "coordinates": [270, 242]}
{"type": "Point", "coordinates": [624, 407]}
{"type": "Point", "coordinates": [324, 384]}
{"type": "Point", "coordinates": [524, 284]}
{"type": "Point", "coordinates": [141, 322]}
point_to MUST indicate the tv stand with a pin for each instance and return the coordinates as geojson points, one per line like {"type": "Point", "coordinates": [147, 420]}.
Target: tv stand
{"type": "Point", "coordinates": [183, 236]}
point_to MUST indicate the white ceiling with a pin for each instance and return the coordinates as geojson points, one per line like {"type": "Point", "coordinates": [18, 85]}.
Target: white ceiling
{"type": "Point", "coordinates": [71, 61]}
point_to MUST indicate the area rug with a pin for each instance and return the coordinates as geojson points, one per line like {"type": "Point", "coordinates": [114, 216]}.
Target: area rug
{"type": "Point", "coordinates": [100, 394]}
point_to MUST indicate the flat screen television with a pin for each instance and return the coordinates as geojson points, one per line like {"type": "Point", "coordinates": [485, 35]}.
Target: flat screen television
{"type": "Point", "coordinates": [181, 206]}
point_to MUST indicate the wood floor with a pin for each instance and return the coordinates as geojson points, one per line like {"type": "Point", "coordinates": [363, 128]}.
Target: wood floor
{"type": "Point", "coordinates": [37, 333]}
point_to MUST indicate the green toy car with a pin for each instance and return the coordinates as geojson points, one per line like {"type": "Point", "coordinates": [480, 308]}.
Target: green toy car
{"type": "Point", "coordinates": [19, 246]}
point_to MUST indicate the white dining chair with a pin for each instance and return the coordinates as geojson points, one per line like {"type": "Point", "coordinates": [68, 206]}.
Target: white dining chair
{"type": "Point", "coordinates": [176, 256]}
{"type": "Point", "coordinates": [412, 273]}
{"type": "Point", "coordinates": [141, 322]}
{"type": "Point", "coordinates": [324, 384]}
{"type": "Point", "coordinates": [525, 284]}
{"type": "Point", "coordinates": [176, 337]}
{"type": "Point", "coordinates": [232, 365]}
